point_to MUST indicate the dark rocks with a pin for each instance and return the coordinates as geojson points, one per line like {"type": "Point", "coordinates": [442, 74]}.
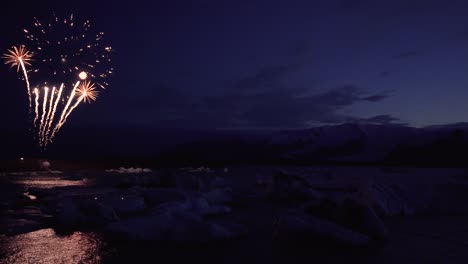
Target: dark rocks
{"type": "Point", "coordinates": [30, 213]}
{"type": "Point", "coordinates": [193, 182]}
{"type": "Point", "coordinates": [223, 230]}
{"type": "Point", "coordinates": [156, 196]}
{"type": "Point", "coordinates": [15, 226]}
{"type": "Point", "coordinates": [297, 225]}
{"type": "Point", "coordinates": [351, 214]}
{"type": "Point", "coordinates": [173, 226]}
{"type": "Point", "coordinates": [200, 206]}
{"type": "Point", "coordinates": [168, 179]}
{"type": "Point", "coordinates": [124, 204]}
{"type": "Point", "coordinates": [146, 180]}
{"type": "Point", "coordinates": [363, 219]}
{"type": "Point", "coordinates": [167, 227]}
{"type": "Point", "coordinates": [196, 205]}
{"type": "Point", "coordinates": [174, 219]}
{"type": "Point", "coordinates": [219, 182]}
{"type": "Point", "coordinates": [71, 214]}
{"type": "Point", "coordinates": [345, 205]}
{"type": "Point", "coordinates": [173, 223]}
{"type": "Point", "coordinates": [141, 228]}
{"type": "Point", "coordinates": [219, 196]}
{"type": "Point", "coordinates": [326, 209]}
{"type": "Point", "coordinates": [23, 220]}
{"type": "Point", "coordinates": [98, 214]}
{"type": "Point", "coordinates": [387, 201]}
{"type": "Point", "coordinates": [68, 214]}
{"type": "Point", "coordinates": [291, 189]}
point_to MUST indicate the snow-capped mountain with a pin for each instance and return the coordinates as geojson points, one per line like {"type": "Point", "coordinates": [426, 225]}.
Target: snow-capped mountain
{"type": "Point", "coordinates": [340, 143]}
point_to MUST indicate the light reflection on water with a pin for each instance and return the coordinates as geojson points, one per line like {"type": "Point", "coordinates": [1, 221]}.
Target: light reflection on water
{"type": "Point", "coordinates": [47, 183]}
{"type": "Point", "coordinates": [30, 196]}
{"type": "Point", "coordinates": [45, 246]}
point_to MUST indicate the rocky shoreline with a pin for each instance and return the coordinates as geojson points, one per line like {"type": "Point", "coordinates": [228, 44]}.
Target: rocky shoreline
{"type": "Point", "coordinates": [196, 206]}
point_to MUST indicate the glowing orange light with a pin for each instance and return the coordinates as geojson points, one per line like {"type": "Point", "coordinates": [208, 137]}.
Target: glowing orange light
{"type": "Point", "coordinates": [87, 92]}
{"type": "Point", "coordinates": [17, 56]}
{"type": "Point", "coordinates": [83, 75]}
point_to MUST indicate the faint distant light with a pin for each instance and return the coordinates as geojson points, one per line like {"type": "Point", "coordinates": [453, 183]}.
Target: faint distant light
{"type": "Point", "coordinates": [121, 198]}
{"type": "Point", "coordinates": [21, 158]}
{"type": "Point", "coordinates": [95, 198]}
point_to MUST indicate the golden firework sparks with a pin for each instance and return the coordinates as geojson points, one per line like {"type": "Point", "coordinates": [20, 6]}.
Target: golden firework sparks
{"type": "Point", "coordinates": [47, 119]}
{"type": "Point", "coordinates": [17, 56]}
{"type": "Point", "coordinates": [87, 90]}
{"type": "Point", "coordinates": [57, 100]}
{"type": "Point", "coordinates": [44, 107]}
{"type": "Point", "coordinates": [20, 57]}
{"type": "Point", "coordinates": [36, 108]}
{"type": "Point", "coordinates": [70, 52]}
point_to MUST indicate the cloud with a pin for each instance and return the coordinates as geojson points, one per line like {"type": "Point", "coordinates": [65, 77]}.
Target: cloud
{"type": "Point", "coordinates": [386, 74]}
{"type": "Point", "coordinates": [281, 108]}
{"type": "Point", "coordinates": [350, 4]}
{"type": "Point", "coordinates": [300, 50]}
{"type": "Point", "coordinates": [272, 77]}
{"type": "Point", "coordinates": [408, 54]}
{"type": "Point", "coordinates": [263, 99]}
{"type": "Point", "coordinates": [381, 120]}
{"type": "Point", "coordinates": [375, 98]}
{"type": "Point", "coordinates": [267, 78]}
{"type": "Point", "coordinates": [277, 108]}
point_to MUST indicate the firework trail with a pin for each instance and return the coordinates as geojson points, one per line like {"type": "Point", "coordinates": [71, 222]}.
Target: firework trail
{"type": "Point", "coordinates": [87, 94]}
{"type": "Point", "coordinates": [36, 107]}
{"type": "Point", "coordinates": [71, 109]}
{"type": "Point", "coordinates": [70, 99]}
{"type": "Point", "coordinates": [44, 105]}
{"type": "Point", "coordinates": [49, 111]}
{"type": "Point", "coordinates": [19, 57]}
{"type": "Point", "coordinates": [66, 51]}
{"type": "Point", "coordinates": [64, 111]}
{"type": "Point", "coordinates": [57, 100]}
{"type": "Point", "coordinates": [27, 82]}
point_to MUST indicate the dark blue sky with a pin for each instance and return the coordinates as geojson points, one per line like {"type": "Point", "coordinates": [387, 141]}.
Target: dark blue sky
{"type": "Point", "coordinates": [267, 64]}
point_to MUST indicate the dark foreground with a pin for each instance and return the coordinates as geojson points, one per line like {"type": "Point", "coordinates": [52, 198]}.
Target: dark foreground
{"type": "Point", "coordinates": [232, 215]}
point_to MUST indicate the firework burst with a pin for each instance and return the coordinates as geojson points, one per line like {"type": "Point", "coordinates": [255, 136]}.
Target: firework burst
{"type": "Point", "coordinates": [87, 90]}
{"type": "Point", "coordinates": [66, 52]}
{"type": "Point", "coordinates": [17, 56]}
{"type": "Point", "coordinates": [20, 56]}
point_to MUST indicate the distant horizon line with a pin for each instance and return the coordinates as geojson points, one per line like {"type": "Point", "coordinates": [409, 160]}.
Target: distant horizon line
{"type": "Point", "coordinates": [265, 128]}
{"type": "Point", "coordinates": [253, 128]}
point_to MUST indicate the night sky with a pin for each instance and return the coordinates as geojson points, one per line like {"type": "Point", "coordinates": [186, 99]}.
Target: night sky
{"type": "Point", "coordinates": [265, 64]}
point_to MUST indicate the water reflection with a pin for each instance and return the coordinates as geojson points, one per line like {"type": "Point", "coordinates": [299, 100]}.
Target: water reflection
{"type": "Point", "coordinates": [47, 183]}
{"type": "Point", "coordinates": [45, 246]}
{"type": "Point", "coordinates": [30, 196]}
